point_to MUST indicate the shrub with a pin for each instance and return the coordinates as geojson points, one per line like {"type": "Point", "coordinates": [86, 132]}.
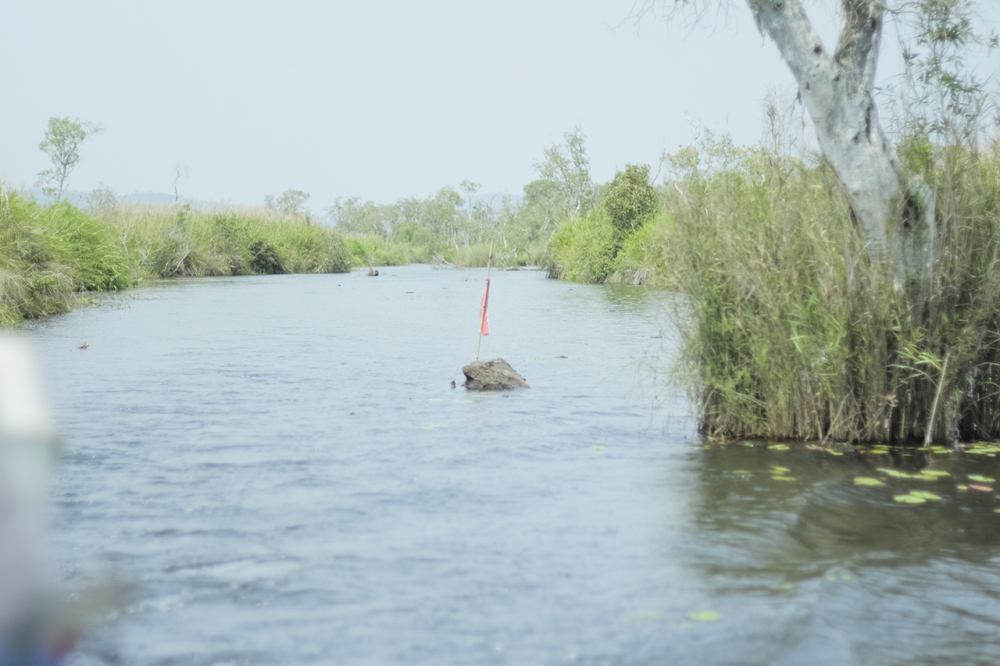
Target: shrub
{"type": "Point", "coordinates": [629, 200]}
{"type": "Point", "coordinates": [583, 249]}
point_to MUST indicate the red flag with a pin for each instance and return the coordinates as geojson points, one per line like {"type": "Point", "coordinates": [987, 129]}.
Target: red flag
{"type": "Point", "coordinates": [484, 319]}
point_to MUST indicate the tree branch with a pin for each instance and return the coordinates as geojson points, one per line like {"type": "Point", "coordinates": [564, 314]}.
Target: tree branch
{"type": "Point", "coordinates": [788, 26]}
{"type": "Point", "coordinates": [860, 35]}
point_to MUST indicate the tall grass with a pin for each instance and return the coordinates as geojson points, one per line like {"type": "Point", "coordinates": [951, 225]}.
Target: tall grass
{"type": "Point", "coordinates": [172, 241]}
{"type": "Point", "coordinates": [47, 254]}
{"type": "Point", "coordinates": [375, 250]}
{"type": "Point", "coordinates": [644, 256]}
{"type": "Point", "coordinates": [792, 333]}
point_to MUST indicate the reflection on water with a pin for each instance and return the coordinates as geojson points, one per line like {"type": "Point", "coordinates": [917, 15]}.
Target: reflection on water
{"type": "Point", "coordinates": [281, 469]}
{"type": "Point", "coordinates": [844, 573]}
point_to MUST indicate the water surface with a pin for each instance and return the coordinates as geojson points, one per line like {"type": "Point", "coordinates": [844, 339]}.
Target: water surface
{"type": "Point", "coordinates": [282, 471]}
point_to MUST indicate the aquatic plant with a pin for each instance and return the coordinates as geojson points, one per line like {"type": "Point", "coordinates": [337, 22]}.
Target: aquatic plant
{"type": "Point", "coordinates": [793, 333]}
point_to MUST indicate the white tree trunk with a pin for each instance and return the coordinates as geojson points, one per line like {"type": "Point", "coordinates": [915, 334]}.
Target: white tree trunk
{"type": "Point", "coordinates": [836, 90]}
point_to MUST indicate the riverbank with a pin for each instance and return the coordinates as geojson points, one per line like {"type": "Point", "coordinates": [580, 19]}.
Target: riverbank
{"type": "Point", "coordinates": [49, 255]}
{"type": "Point", "coordinates": [793, 334]}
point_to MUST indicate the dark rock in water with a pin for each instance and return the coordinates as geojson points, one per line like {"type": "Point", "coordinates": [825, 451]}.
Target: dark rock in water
{"type": "Point", "coordinates": [495, 375]}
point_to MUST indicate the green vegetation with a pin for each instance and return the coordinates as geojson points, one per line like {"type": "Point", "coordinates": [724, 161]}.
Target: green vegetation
{"type": "Point", "coordinates": [49, 254]}
{"type": "Point", "coordinates": [61, 144]}
{"type": "Point", "coordinates": [180, 242]}
{"type": "Point", "coordinates": [793, 333]}
{"type": "Point", "coordinates": [622, 239]}
{"type": "Point", "coordinates": [458, 226]}
{"type": "Point", "coordinates": [442, 229]}
{"type": "Point", "coordinates": [583, 248]}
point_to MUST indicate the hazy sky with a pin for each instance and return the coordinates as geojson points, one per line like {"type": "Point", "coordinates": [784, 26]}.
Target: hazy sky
{"type": "Point", "coordinates": [376, 99]}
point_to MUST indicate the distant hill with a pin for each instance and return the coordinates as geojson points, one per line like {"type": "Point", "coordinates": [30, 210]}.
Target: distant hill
{"type": "Point", "coordinates": [152, 198]}
{"type": "Point", "coordinates": [84, 199]}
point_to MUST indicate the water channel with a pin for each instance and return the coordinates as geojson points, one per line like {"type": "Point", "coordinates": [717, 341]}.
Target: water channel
{"type": "Point", "coordinates": [283, 474]}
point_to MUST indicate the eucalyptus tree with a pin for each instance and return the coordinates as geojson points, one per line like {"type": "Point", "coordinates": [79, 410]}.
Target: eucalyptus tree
{"type": "Point", "coordinates": [894, 212]}
{"type": "Point", "coordinates": [61, 143]}
{"type": "Point", "coordinates": [567, 166]}
{"type": "Point", "coordinates": [351, 215]}
{"type": "Point", "coordinates": [289, 202]}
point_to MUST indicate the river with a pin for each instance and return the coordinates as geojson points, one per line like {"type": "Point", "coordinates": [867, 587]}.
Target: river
{"type": "Point", "coordinates": [282, 473]}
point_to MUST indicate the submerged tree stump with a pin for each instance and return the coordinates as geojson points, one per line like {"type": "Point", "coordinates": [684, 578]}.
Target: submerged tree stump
{"type": "Point", "coordinates": [494, 375]}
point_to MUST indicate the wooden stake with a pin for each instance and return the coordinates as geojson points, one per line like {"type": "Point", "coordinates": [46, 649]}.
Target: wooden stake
{"type": "Point", "coordinates": [482, 314]}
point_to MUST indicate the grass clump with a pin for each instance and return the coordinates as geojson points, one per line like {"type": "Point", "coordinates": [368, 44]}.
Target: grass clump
{"type": "Point", "coordinates": [47, 254]}
{"type": "Point", "coordinates": [179, 242]}
{"type": "Point", "coordinates": [793, 333]}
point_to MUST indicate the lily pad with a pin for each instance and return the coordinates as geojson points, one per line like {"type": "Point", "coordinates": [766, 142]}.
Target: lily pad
{"type": "Point", "coordinates": [932, 474]}
{"type": "Point", "coordinates": [983, 449]}
{"type": "Point", "coordinates": [908, 498]}
{"type": "Point", "coordinates": [980, 487]}
{"type": "Point", "coordinates": [979, 478]}
{"type": "Point", "coordinates": [870, 481]}
{"type": "Point", "coordinates": [778, 447]}
{"type": "Point", "coordinates": [781, 477]}
{"type": "Point", "coordinates": [926, 494]}
{"type": "Point", "coordinates": [778, 469]}
{"type": "Point", "coordinates": [703, 616]}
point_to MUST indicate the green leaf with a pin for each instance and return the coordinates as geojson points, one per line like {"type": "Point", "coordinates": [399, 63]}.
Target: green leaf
{"type": "Point", "coordinates": [867, 481]}
{"type": "Point", "coordinates": [703, 616]}
{"type": "Point", "coordinates": [932, 474]}
{"type": "Point", "coordinates": [909, 498]}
